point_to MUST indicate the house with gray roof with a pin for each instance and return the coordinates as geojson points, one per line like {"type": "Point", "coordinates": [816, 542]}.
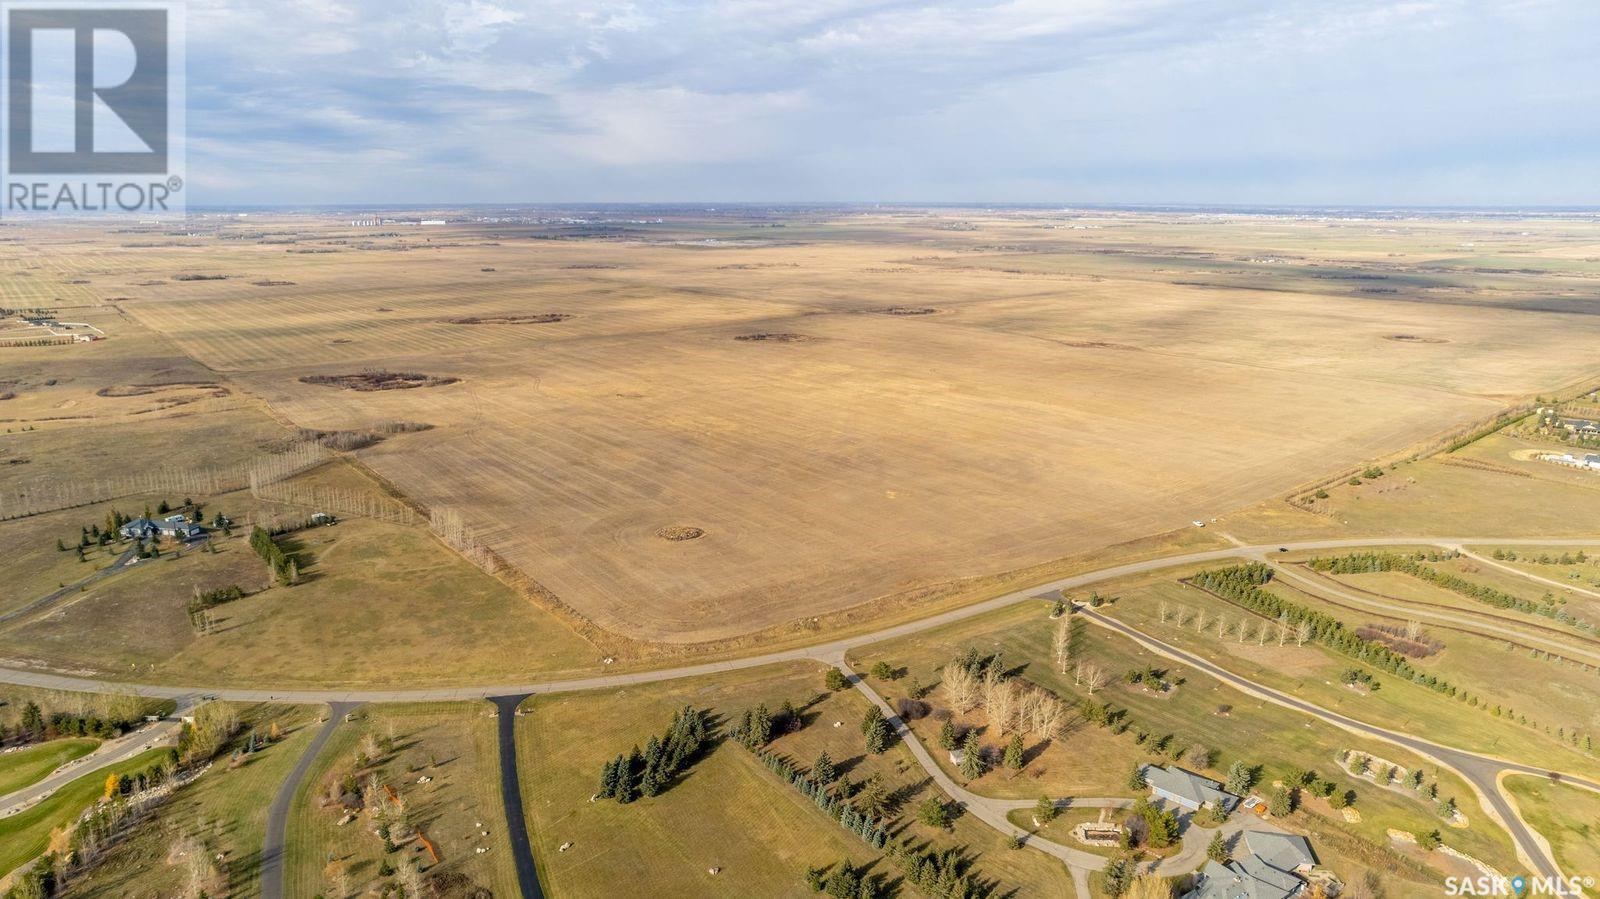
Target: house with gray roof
{"type": "Point", "coordinates": [1187, 789]}
{"type": "Point", "coordinates": [1270, 869]}
{"type": "Point", "coordinates": [1290, 853]}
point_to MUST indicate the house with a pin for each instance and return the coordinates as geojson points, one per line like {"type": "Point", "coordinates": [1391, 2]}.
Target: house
{"type": "Point", "coordinates": [1272, 868]}
{"type": "Point", "coordinates": [1187, 790]}
{"type": "Point", "coordinates": [1583, 427]}
{"type": "Point", "coordinates": [176, 527]}
{"type": "Point", "coordinates": [1246, 878]}
{"type": "Point", "coordinates": [1285, 851]}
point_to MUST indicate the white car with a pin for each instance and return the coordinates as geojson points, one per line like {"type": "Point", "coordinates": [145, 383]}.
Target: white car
{"type": "Point", "coordinates": [1198, 523]}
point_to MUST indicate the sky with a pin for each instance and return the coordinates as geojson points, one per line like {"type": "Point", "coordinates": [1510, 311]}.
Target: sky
{"type": "Point", "coordinates": [1331, 102]}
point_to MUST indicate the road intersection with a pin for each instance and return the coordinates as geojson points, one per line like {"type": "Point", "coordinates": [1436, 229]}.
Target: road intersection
{"type": "Point", "coordinates": [1480, 771]}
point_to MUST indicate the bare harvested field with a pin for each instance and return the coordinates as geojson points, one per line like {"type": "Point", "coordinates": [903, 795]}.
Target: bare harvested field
{"type": "Point", "coordinates": [849, 405]}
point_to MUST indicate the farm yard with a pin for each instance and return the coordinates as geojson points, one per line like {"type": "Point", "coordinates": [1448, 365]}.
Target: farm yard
{"type": "Point", "coordinates": [1133, 378]}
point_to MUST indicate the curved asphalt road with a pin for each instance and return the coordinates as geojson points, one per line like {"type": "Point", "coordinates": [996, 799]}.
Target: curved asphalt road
{"type": "Point", "coordinates": [278, 812]}
{"type": "Point", "coordinates": [1479, 771]}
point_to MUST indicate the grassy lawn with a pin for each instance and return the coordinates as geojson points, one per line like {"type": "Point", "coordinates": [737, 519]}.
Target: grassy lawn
{"type": "Point", "coordinates": [225, 808]}
{"type": "Point", "coordinates": [1313, 673]}
{"type": "Point", "coordinates": [728, 811]}
{"type": "Point", "coordinates": [27, 834]}
{"type": "Point", "coordinates": [32, 566]}
{"type": "Point", "coordinates": [1091, 760]}
{"type": "Point", "coordinates": [426, 617]}
{"type": "Point", "coordinates": [452, 744]}
{"type": "Point", "coordinates": [1566, 816]}
{"type": "Point", "coordinates": [1558, 694]}
{"type": "Point", "coordinates": [22, 767]}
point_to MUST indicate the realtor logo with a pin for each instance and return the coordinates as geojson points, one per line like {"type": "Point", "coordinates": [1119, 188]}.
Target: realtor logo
{"type": "Point", "coordinates": [94, 107]}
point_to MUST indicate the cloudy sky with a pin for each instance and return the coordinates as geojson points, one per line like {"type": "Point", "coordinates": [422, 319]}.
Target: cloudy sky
{"type": "Point", "coordinates": [1430, 102]}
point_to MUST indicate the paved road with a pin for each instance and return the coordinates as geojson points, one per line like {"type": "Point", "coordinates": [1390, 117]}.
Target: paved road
{"type": "Point", "coordinates": [47, 601]}
{"type": "Point", "coordinates": [994, 812]}
{"type": "Point", "coordinates": [1479, 771]}
{"type": "Point", "coordinates": [818, 652]}
{"type": "Point", "coordinates": [272, 846]}
{"type": "Point", "coordinates": [111, 752]}
{"type": "Point", "coordinates": [1532, 634]}
{"type": "Point", "coordinates": [1494, 563]}
{"type": "Point", "coordinates": [511, 797]}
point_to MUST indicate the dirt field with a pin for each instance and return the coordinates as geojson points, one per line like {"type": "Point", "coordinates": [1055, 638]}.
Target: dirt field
{"type": "Point", "coordinates": [1075, 380]}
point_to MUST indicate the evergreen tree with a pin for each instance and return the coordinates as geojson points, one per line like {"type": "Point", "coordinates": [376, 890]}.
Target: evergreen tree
{"type": "Point", "coordinates": [947, 736]}
{"type": "Point", "coordinates": [1014, 758]}
{"type": "Point", "coordinates": [876, 729]}
{"type": "Point", "coordinates": [972, 763]}
{"type": "Point", "coordinates": [1045, 810]}
{"type": "Point", "coordinates": [1136, 781]}
{"type": "Point", "coordinates": [1217, 849]}
{"type": "Point", "coordinates": [823, 772]}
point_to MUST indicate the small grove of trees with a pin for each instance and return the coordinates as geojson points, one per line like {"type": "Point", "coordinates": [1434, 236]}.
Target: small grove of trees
{"type": "Point", "coordinates": [113, 716]}
{"type": "Point", "coordinates": [284, 568]}
{"type": "Point", "coordinates": [627, 777]}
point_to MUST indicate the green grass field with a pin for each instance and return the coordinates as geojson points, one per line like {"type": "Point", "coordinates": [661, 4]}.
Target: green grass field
{"type": "Point", "coordinates": [30, 765]}
{"type": "Point", "coordinates": [26, 834]}
{"type": "Point", "coordinates": [1313, 674]}
{"type": "Point", "coordinates": [225, 808]}
{"type": "Point", "coordinates": [453, 745]}
{"type": "Point", "coordinates": [1557, 693]}
{"type": "Point", "coordinates": [1566, 816]}
{"type": "Point", "coordinates": [728, 811]}
{"type": "Point", "coordinates": [1251, 730]}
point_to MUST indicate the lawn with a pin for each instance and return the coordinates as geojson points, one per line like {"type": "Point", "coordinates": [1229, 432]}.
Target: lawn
{"type": "Point", "coordinates": [22, 767]}
{"type": "Point", "coordinates": [27, 834]}
{"type": "Point", "coordinates": [225, 808]}
{"type": "Point", "coordinates": [728, 812]}
{"type": "Point", "coordinates": [453, 746]}
{"type": "Point", "coordinates": [1557, 693]}
{"type": "Point", "coordinates": [1567, 816]}
{"type": "Point", "coordinates": [379, 603]}
{"type": "Point", "coordinates": [1313, 673]}
{"type": "Point", "coordinates": [1092, 761]}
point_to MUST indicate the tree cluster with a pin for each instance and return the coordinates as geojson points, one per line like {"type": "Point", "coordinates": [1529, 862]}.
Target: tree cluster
{"type": "Point", "coordinates": [627, 777]}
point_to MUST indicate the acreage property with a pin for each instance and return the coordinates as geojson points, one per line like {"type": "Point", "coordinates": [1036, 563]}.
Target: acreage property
{"type": "Point", "coordinates": [942, 403]}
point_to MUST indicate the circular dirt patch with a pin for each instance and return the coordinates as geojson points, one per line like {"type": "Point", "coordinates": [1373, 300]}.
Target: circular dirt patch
{"type": "Point", "coordinates": [678, 533]}
{"type": "Point", "coordinates": [774, 337]}
{"type": "Point", "coordinates": [909, 310]}
{"type": "Point", "coordinates": [1414, 338]}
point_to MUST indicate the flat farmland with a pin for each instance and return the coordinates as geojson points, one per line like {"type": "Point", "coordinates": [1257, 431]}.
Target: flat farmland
{"type": "Point", "coordinates": [1061, 389]}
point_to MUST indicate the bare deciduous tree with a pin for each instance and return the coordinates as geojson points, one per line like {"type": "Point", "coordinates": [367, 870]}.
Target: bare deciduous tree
{"type": "Point", "coordinates": [1061, 647]}
{"type": "Point", "coordinates": [1302, 633]}
{"type": "Point", "coordinates": [1094, 678]}
{"type": "Point", "coordinates": [960, 688]}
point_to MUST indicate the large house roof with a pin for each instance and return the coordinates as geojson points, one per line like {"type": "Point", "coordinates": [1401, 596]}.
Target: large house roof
{"type": "Point", "coordinates": [1188, 786]}
{"type": "Point", "coordinates": [1248, 878]}
{"type": "Point", "coordinates": [1284, 851]}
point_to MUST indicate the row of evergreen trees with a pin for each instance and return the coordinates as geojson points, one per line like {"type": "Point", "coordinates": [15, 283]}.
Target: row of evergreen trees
{"type": "Point", "coordinates": [1242, 585]}
{"type": "Point", "coordinates": [627, 777]}
{"type": "Point", "coordinates": [944, 875]}
{"type": "Point", "coordinates": [1368, 562]}
{"type": "Point", "coordinates": [815, 786]}
{"type": "Point", "coordinates": [283, 566]}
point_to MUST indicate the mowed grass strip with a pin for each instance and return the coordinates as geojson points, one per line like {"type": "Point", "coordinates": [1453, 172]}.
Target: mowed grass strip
{"type": "Point", "coordinates": [1567, 816]}
{"type": "Point", "coordinates": [27, 834]}
{"type": "Point", "coordinates": [32, 764]}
